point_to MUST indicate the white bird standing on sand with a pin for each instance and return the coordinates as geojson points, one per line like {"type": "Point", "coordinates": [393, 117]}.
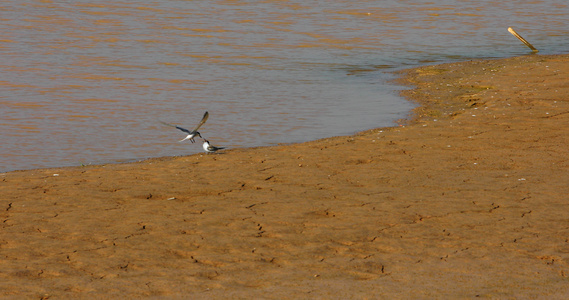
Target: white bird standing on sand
{"type": "Point", "coordinates": [193, 133]}
{"type": "Point", "coordinates": [209, 148]}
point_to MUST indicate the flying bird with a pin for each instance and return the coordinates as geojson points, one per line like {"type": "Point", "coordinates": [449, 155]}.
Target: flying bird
{"type": "Point", "coordinates": [191, 133]}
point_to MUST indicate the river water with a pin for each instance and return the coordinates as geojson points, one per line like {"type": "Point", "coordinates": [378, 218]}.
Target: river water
{"type": "Point", "coordinates": [86, 82]}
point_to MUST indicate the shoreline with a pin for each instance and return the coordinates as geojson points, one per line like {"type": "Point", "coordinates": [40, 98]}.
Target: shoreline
{"type": "Point", "coordinates": [467, 199]}
{"type": "Point", "coordinates": [414, 115]}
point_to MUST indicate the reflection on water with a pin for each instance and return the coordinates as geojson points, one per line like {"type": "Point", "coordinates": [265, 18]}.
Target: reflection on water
{"type": "Point", "coordinates": [84, 82]}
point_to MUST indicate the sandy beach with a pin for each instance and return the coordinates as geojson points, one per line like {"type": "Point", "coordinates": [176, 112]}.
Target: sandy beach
{"type": "Point", "coordinates": [469, 198]}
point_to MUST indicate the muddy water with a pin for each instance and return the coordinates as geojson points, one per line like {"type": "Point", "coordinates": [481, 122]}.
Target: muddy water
{"type": "Point", "coordinates": [87, 81]}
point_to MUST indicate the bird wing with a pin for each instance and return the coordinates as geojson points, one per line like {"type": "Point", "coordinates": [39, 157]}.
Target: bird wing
{"type": "Point", "coordinates": [205, 116]}
{"type": "Point", "coordinates": [215, 148]}
{"type": "Point", "coordinates": [177, 127]}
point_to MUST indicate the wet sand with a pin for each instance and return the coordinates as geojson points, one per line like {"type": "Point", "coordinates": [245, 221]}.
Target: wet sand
{"type": "Point", "coordinates": [468, 199]}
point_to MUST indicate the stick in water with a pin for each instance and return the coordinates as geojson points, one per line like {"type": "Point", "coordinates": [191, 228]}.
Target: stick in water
{"type": "Point", "coordinates": [511, 30]}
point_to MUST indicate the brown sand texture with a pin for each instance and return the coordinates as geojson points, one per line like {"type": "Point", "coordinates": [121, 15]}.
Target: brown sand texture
{"type": "Point", "coordinates": [468, 199]}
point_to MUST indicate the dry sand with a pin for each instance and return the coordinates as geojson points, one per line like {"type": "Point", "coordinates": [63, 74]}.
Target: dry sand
{"type": "Point", "coordinates": [469, 199]}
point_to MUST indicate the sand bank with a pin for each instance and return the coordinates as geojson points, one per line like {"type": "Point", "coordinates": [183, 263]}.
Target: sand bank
{"type": "Point", "coordinates": [468, 199]}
